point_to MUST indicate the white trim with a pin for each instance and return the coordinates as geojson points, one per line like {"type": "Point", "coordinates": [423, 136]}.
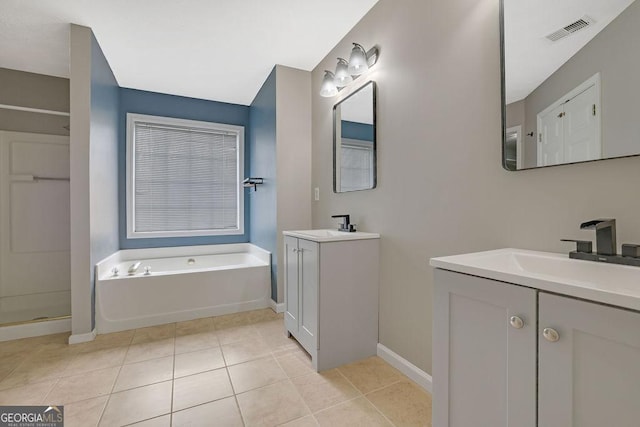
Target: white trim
{"type": "Point", "coordinates": [414, 373]}
{"type": "Point", "coordinates": [35, 329]}
{"type": "Point", "coordinates": [277, 307]}
{"type": "Point", "coordinates": [80, 338]}
{"type": "Point", "coordinates": [132, 118]}
{"type": "Point", "coordinates": [519, 148]}
{"type": "Point", "coordinates": [591, 81]}
{"type": "Point", "coordinates": [34, 110]}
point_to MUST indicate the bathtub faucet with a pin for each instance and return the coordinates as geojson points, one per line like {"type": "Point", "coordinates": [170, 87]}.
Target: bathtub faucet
{"type": "Point", "coordinates": [134, 267]}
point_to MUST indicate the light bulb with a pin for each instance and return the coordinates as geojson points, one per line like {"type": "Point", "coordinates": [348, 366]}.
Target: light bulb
{"type": "Point", "coordinates": [328, 88]}
{"type": "Point", "coordinates": [358, 60]}
{"type": "Point", "coordinates": [342, 77]}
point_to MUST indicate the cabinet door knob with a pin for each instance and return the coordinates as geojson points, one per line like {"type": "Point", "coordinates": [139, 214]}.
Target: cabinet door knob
{"type": "Point", "coordinates": [295, 250]}
{"type": "Point", "coordinates": [516, 322]}
{"type": "Point", "coordinates": [550, 334]}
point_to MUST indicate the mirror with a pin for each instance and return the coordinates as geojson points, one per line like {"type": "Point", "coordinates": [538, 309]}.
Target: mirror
{"type": "Point", "coordinates": [571, 81]}
{"type": "Point", "coordinates": [354, 141]}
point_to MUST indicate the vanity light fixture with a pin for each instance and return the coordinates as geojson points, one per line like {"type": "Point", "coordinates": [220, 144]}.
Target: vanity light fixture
{"type": "Point", "coordinates": [358, 60]}
{"type": "Point", "coordinates": [328, 88]}
{"type": "Point", "coordinates": [342, 76]}
{"type": "Point", "coordinates": [346, 72]}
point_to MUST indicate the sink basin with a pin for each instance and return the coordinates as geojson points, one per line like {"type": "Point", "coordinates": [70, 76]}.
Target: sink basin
{"type": "Point", "coordinates": [606, 283]}
{"type": "Point", "coordinates": [327, 235]}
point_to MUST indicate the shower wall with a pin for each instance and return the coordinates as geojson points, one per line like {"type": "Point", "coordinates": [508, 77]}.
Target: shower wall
{"type": "Point", "coordinates": [34, 198]}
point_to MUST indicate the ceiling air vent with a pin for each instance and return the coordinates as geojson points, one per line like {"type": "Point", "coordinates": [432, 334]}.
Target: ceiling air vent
{"type": "Point", "coordinates": [572, 28]}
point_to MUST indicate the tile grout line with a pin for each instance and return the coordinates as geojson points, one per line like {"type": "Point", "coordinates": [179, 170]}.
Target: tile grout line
{"type": "Point", "coordinates": [104, 408]}
{"type": "Point", "coordinates": [372, 391]}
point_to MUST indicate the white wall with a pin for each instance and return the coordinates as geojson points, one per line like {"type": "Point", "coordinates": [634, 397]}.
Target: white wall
{"type": "Point", "coordinates": [293, 146]}
{"type": "Point", "coordinates": [441, 187]}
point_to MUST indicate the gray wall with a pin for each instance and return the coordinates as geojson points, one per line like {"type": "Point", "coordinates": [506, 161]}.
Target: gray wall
{"type": "Point", "coordinates": [441, 195]}
{"type": "Point", "coordinates": [19, 88]}
{"type": "Point", "coordinates": [613, 53]}
{"type": "Point", "coordinates": [293, 129]}
{"type": "Point", "coordinates": [94, 168]}
{"type": "Point", "coordinates": [515, 114]}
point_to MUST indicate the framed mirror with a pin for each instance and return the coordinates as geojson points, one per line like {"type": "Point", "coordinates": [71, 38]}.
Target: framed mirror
{"type": "Point", "coordinates": [354, 141]}
{"type": "Point", "coordinates": [571, 81]}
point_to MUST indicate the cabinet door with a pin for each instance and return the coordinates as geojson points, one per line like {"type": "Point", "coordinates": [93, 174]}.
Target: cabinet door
{"type": "Point", "coordinates": [291, 284]}
{"type": "Point", "coordinates": [309, 264]}
{"type": "Point", "coordinates": [590, 376]}
{"type": "Point", "coordinates": [484, 369]}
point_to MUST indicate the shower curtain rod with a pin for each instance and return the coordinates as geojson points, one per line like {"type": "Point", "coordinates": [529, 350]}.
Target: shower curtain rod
{"type": "Point", "coordinates": [34, 110]}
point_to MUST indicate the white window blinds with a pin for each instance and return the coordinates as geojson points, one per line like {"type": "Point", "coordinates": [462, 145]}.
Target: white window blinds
{"type": "Point", "coordinates": [356, 166]}
{"type": "Point", "coordinates": [185, 179]}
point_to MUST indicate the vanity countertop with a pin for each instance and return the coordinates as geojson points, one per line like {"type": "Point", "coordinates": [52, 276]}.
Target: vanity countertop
{"type": "Point", "coordinates": [617, 285]}
{"type": "Point", "coordinates": [326, 235]}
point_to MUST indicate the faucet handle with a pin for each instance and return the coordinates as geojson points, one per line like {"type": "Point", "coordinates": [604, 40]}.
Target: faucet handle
{"type": "Point", "coordinates": [584, 246]}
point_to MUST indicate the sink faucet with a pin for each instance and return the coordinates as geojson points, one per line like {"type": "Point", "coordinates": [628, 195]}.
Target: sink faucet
{"type": "Point", "coordinates": [345, 225]}
{"type": "Point", "coordinates": [605, 235]}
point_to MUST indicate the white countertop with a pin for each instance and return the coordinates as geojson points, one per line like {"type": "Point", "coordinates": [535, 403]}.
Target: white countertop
{"type": "Point", "coordinates": [326, 235]}
{"type": "Point", "coordinates": [617, 285]}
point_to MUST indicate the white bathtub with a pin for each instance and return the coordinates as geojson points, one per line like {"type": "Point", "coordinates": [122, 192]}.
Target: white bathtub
{"type": "Point", "coordinates": [183, 283]}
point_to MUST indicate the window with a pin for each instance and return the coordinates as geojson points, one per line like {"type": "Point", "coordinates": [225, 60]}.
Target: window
{"type": "Point", "coordinates": [356, 166]}
{"type": "Point", "coordinates": [183, 178]}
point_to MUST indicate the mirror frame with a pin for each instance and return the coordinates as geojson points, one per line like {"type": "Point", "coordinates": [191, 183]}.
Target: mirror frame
{"type": "Point", "coordinates": [504, 109]}
{"type": "Point", "coordinates": [374, 184]}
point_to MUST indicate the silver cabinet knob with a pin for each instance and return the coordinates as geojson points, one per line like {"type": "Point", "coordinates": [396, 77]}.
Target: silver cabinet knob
{"type": "Point", "coordinates": [550, 334]}
{"type": "Point", "coordinates": [295, 250]}
{"type": "Point", "coordinates": [516, 322]}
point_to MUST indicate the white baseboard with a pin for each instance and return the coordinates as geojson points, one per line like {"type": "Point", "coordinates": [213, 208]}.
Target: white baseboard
{"type": "Point", "coordinates": [35, 329]}
{"type": "Point", "coordinates": [278, 308]}
{"type": "Point", "coordinates": [416, 374]}
{"type": "Point", "coordinates": [80, 338]}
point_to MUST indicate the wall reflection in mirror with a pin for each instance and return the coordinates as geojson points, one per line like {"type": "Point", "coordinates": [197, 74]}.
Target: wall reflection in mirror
{"type": "Point", "coordinates": [571, 81]}
{"type": "Point", "coordinates": [354, 141]}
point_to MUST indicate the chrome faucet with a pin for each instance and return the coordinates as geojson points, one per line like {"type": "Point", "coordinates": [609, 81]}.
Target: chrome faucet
{"type": "Point", "coordinates": [345, 225]}
{"type": "Point", "coordinates": [605, 235]}
{"type": "Point", "coordinates": [134, 267]}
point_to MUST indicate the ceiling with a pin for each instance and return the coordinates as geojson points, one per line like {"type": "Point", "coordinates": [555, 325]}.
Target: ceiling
{"type": "Point", "coordinates": [529, 57]}
{"type": "Point", "coordinates": [220, 50]}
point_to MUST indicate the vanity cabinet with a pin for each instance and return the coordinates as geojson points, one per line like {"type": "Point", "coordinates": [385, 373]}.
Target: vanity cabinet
{"type": "Point", "coordinates": [490, 335]}
{"type": "Point", "coordinates": [484, 369]}
{"type": "Point", "coordinates": [590, 376]}
{"type": "Point", "coordinates": [331, 298]}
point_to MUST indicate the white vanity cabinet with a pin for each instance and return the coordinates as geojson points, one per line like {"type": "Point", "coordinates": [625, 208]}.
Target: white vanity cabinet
{"type": "Point", "coordinates": [331, 297]}
{"type": "Point", "coordinates": [301, 262]}
{"type": "Point", "coordinates": [490, 335]}
{"type": "Point", "coordinates": [484, 369]}
{"type": "Point", "coordinates": [590, 376]}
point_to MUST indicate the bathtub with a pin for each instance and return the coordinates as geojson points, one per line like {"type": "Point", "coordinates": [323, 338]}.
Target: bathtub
{"type": "Point", "coordinates": [178, 284]}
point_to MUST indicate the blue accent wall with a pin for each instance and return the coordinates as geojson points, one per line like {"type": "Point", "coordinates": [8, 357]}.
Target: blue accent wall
{"type": "Point", "coordinates": [355, 130]}
{"type": "Point", "coordinates": [158, 104]}
{"type": "Point", "coordinates": [103, 163]}
{"type": "Point", "coordinates": [262, 152]}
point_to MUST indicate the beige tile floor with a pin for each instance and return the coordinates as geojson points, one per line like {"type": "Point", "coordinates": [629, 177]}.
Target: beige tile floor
{"type": "Point", "coordinates": [235, 370]}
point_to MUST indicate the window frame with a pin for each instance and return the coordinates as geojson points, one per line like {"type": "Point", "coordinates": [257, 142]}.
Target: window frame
{"type": "Point", "coordinates": [359, 144]}
{"type": "Point", "coordinates": [132, 119]}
